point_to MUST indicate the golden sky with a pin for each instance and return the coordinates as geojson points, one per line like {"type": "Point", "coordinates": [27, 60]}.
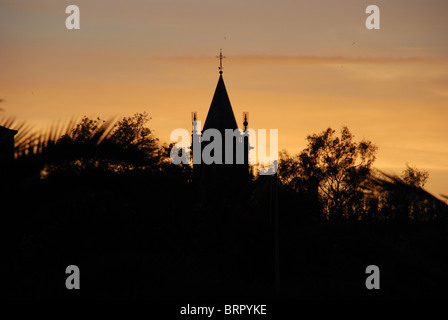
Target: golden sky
{"type": "Point", "coordinates": [296, 66]}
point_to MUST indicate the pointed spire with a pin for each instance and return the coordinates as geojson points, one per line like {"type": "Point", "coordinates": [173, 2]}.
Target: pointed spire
{"type": "Point", "coordinates": [220, 115]}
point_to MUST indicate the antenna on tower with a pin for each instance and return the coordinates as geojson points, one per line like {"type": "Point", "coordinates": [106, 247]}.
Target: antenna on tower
{"type": "Point", "coordinates": [220, 61]}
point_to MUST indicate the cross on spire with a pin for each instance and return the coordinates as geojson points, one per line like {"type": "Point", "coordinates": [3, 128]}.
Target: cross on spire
{"type": "Point", "coordinates": [220, 61]}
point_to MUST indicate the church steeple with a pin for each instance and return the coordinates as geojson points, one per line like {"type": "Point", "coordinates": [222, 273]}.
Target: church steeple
{"type": "Point", "coordinates": [220, 115]}
{"type": "Point", "coordinates": [222, 179]}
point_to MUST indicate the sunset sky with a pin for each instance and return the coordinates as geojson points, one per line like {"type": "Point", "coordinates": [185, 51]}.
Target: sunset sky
{"type": "Point", "coordinates": [297, 66]}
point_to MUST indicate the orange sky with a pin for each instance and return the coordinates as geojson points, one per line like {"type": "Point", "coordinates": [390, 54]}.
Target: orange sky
{"type": "Point", "coordinates": [297, 66]}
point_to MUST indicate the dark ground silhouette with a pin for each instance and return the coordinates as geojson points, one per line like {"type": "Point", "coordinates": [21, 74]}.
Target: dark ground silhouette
{"type": "Point", "coordinates": [139, 232]}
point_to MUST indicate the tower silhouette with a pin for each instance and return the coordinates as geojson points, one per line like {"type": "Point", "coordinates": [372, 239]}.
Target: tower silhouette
{"type": "Point", "coordinates": [221, 179]}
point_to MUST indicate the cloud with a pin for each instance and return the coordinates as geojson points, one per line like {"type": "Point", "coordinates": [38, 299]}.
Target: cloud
{"type": "Point", "coordinates": [274, 59]}
{"type": "Point", "coordinates": [332, 59]}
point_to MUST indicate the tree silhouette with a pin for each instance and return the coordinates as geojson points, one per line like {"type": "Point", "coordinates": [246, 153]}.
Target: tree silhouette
{"type": "Point", "coordinates": [415, 177]}
{"type": "Point", "coordinates": [289, 172]}
{"type": "Point", "coordinates": [132, 131]}
{"type": "Point", "coordinates": [94, 144]}
{"type": "Point", "coordinates": [402, 198]}
{"type": "Point", "coordinates": [331, 168]}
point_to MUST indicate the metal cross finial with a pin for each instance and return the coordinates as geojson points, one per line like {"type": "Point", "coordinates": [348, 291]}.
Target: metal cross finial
{"type": "Point", "coordinates": [220, 61]}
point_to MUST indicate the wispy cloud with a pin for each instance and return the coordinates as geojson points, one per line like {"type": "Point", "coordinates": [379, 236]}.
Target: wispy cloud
{"type": "Point", "coordinates": [274, 59]}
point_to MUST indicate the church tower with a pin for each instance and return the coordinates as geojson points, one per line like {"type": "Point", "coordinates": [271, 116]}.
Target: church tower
{"type": "Point", "coordinates": [219, 181]}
